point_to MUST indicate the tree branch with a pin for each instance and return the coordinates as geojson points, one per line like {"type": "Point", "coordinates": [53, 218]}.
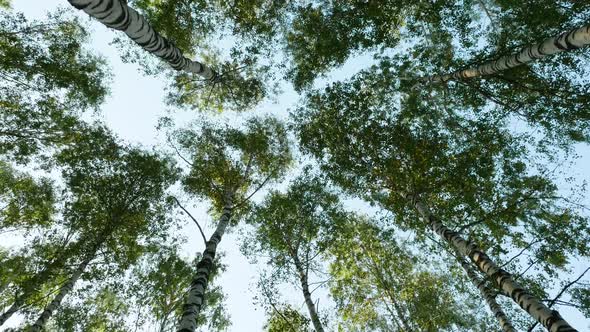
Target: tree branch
{"type": "Point", "coordinates": [252, 194]}
{"type": "Point", "coordinates": [193, 218]}
{"type": "Point", "coordinates": [178, 152]}
{"type": "Point", "coordinates": [556, 298]}
{"type": "Point", "coordinates": [521, 252]}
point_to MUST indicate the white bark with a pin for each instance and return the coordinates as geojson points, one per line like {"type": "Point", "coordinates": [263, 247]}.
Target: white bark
{"type": "Point", "coordinates": [567, 41]}
{"type": "Point", "coordinates": [56, 302]}
{"type": "Point", "coordinates": [490, 299]}
{"type": "Point", "coordinates": [533, 306]}
{"type": "Point", "coordinates": [11, 311]}
{"type": "Point", "coordinates": [195, 298]}
{"type": "Point", "coordinates": [117, 15]}
{"type": "Point", "coordinates": [315, 319]}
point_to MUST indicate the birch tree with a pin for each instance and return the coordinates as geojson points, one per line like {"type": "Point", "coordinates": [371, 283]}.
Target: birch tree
{"type": "Point", "coordinates": [291, 229]}
{"type": "Point", "coordinates": [567, 41]}
{"type": "Point", "coordinates": [227, 166]}
{"type": "Point", "coordinates": [488, 295]}
{"type": "Point", "coordinates": [116, 14]}
{"type": "Point", "coordinates": [396, 158]}
{"type": "Point", "coordinates": [158, 286]}
{"type": "Point", "coordinates": [379, 285]}
{"type": "Point", "coordinates": [117, 197]}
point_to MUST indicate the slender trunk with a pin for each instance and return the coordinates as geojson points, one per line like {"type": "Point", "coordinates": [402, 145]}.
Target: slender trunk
{"type": "Point", "coordinates": [566, 41]}
{"type": "Point", "coordinates": [194, 301]}
{"type": "Point", "coordinates": [387, 289]}
{"type": "Point", "coordinates": [69, 285]}
{"type": "Point", "coordinates": [163, 323]}
{"type": "Point", "coordinates": [533, 306]}
{"type": "Point", "coordinates": [489, 297]}
{"type": "Point", "coordinates": [55, 303]}
{"type": "Point", "coordinates": [12, 310]}
{"type": "Point", "coordinates": [117, 15]}
{"type": "Point", "coordinates": [31, 287]}
{"type": "Point", "coordinates": [315, 319]}
{"type": "Point", "coordinates": [402, 317]}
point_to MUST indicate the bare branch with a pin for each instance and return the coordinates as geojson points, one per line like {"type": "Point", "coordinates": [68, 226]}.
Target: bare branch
{"type": "Point", "coordinates": [178, 152]}
{"type": "Point", "coordinates": [252, 194]}
{"type": "Point", "coordinates": [556, 298]}
{"type": "Point", "coordinates": [521, 252]}
{"type": "Point", "coordinates": [193, 218]}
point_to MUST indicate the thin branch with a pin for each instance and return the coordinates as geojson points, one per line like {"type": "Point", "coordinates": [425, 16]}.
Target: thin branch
{"type": "Point", "coordinates": [178, 152]}
{"type": "Point", "coordinates": [210, 92]}
{"type": "Point", "coordinates": [488, 14]}
{"type": "Point", "coordinates": [193, 218]}
{"type": "Point", "coordinates": [272, 304]}
{"type": "Point", "coordinates": [556, 298]}
{"type": "Point", "coordinates": [520, 275]}
{"type": "Point", "coordinates": [319, 284]}
{"type": "Point", "coordinates": [521, 252]}
{"type": "Point", "coordinates": [252, 194]}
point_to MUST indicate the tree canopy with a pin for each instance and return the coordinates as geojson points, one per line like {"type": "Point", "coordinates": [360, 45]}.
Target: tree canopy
{"type": "Point", "coordinates": [379, 165]}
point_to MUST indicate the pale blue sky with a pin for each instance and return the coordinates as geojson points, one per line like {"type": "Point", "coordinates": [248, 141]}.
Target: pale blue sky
{"type": "Point", "coordinates": [132, 111]}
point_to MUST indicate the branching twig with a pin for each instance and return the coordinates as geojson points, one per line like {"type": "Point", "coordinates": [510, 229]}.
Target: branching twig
{"type": "Point", "coordinates": [556, 298]}
{"type": "Point", "coordinates": [178, 153]}
{"type": "Point", "coordinates": [521, 252]}
{"type": "Point", "coordinates": [193, 218]}
{"type": "Point", "coordinates": [252, 194]}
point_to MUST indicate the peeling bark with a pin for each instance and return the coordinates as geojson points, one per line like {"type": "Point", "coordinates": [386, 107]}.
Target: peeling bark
{"type": "Point", "coordinates": [489, 297]}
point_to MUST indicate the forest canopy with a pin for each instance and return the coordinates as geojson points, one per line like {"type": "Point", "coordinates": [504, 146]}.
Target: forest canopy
{"type": "Point", "coordinates": [354, 165]}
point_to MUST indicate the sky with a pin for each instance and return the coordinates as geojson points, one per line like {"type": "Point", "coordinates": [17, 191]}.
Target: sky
{"type": "Point", "coordinates": [132, 111]}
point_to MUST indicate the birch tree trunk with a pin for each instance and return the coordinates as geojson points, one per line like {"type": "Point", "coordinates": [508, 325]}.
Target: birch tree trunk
{"type": "Point", "coordinates": [387, 289]}
{"type": "Point", "coordinates": [533, 306]}
{"type": "Point", "coordinates": [315, 319]}
{"type": "Point", "coordinates": [30, 289]}
{"type": "Point", "coordinates": [566, 41]}
{"type": "Point", "coordinates": [12, 310]}
{"type": "Point", "coordinates": [55, 303]}
{"type": "Point", "coordinates": [195, 298]}
{"type": "Point", "coordinates": [489, 297]}
{"type": "Point", "coordinates": [117, 15]}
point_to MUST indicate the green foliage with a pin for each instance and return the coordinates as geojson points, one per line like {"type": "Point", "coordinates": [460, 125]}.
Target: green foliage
{"type": "Point", "coordinates": [184, 23]}
{"type": "Point", "coordinates": [26, 202]}
{"type": "Point", "coordinates": [102, 311]}
{"type": "Point", "coordinates": [287, 319]}
{"type": "Point", "coordinates": [378, 285]}
{"type": "Point", "coordinates": [581, 296]}
{"type": "Point", "coordinates": [292, 231]}
{"type": "Point", "coordinates": [476, 151]}
{"type": "Point", "coordinates": [237, 160]}
{"type": "Point", "coordinates": [380, 146]}
{"type": "Point", "coordinates": [159, 283]}
{"type": "Point", "coordinates": [378, 149]}
{"type": "Point", "coordinates": [294, 226]}
{"type": "Point", "coordinates": [239, 86]}
{"type": "Point", "coordinates": [324, 36]}
{"type": "Point", "coordinates": [47, 79]}
{"type": "Point", "coordinates": [113, 205]}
